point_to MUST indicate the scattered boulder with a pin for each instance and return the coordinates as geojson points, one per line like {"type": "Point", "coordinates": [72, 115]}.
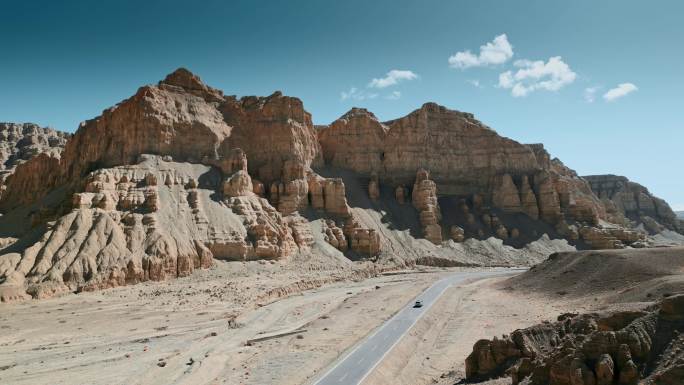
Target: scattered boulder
{"type": "Point", "coordinates": [457, 234]}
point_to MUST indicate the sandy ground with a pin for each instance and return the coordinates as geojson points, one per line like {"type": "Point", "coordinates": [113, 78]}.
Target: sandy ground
{"type": "Point", "coordinates": [193, 330]}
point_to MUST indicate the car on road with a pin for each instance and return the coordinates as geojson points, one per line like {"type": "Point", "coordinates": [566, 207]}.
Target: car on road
{"type": "Point", "coordinates": [418, 303]}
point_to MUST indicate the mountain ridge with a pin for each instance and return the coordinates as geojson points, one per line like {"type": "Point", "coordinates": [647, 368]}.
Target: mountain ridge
{"type": "Point", "coordinates": [179, 175]}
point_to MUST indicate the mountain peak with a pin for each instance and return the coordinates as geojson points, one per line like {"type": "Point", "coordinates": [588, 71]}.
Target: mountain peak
{"type": "Point", "coordinates": [183, 78]}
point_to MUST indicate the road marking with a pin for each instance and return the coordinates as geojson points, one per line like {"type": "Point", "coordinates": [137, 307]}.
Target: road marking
{"type": "Point", "coordinates": [475, 277]}
{"type": "Point", "coordinates": [439, 288]}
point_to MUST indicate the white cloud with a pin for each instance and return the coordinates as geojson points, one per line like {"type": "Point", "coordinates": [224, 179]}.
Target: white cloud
{"type": "Point", "coordinates": [475, 83]}
{"type": "Point", "coordinates": [506, 79]}
{"type": "Point", "coordinates": [621, 90]}
{"type": "Point", "coordinates": [393, 77]}
{"type": "Point", "coordinates": [678, 207]}
{"type": "Point", "coordinates": [590, 93]}
{"type": "Point", "coordinates": [537, 75]}
{"type": "Point", "coordinates": [356, 94]}
{"type": "Point", "coordinates": [495, 52]}
{"type": "Point", "coordinates": [394, 95]}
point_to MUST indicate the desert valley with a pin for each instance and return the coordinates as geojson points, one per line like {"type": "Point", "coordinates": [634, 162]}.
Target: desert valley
{"type": "Point", "coordinates": [185, 236]}
{"type": "Point", "coordinates": [420, 193]}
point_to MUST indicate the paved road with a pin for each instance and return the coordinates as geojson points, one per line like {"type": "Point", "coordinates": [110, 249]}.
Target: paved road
{"type": "Point", "coordinates": [354, 368]}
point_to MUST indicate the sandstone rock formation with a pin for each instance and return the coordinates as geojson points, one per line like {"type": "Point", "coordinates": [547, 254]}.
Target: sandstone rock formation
{"type": "Point", "coordinates": [374, 187]}
{"type": "Point", "coordinates": [180, 174]}
{"type": "Point", "coordinates": [188, 121]}
{"type": "Point", "coordinates": [466, 159]}
{"type": "Point", "coordinates": [424, 197]}
{"type": "Point", "coordinates": [363, 241]}
{"type": "Point", "coordinates": [506, 195]}
{"type": "Point", "coordinates": [21, 142]}
{"type": "Point", "coordinates": [126, 227]}
{"type": "Point", "coordinates": [457, 234]}
{"type": "Point", "coordinates": [610, 237]}
{"type": "Point", "coordinates": [341, 145]}
{"type": "Point", "coordinates": [160, 185]}
{"type": "Point", "coordinates": [618, 348]}
{"type": "Point", "coordinates": [627, 201]}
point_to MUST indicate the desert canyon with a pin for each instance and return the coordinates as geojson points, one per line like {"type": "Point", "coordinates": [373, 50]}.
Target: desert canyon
{"type": "Point", "coordinates": [187, 236]}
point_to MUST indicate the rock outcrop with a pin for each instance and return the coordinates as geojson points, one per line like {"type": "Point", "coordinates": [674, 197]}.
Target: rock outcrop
{"type": "Point", "coordinates": [424, 197]}
{"type": "Point", "coordinates": [466, 159]}
{"type": "Point", "coordinates": [180, 174]}
{"type": "Point", "coordinates": [22, 142]}
{"type": "Point", "coordinates": [610, 237]}
{"type": "Point", "coordinates": [629, 203]}
{"type": "Point", "coordinates": [160, 185]}
{"type": "Point", "coordinates": [374, 188]}
{"type": "Point", "coordinates": [341, 145]}
{"type": "Point", "coordinates": [188, 121]}
{"type": "Point", "coordinates": [505, 194]}
{"type": "Point", "coordinates": [126, 226]}
{"type": "Point", "coordinates": [622, 348]}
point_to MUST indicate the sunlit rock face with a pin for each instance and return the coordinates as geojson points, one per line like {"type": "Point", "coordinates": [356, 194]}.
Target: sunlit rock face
{"type": "Point", "coordinates": [21, 142]}
{"type": "Point", "coordinates": [179, 175]}
{"type": "Point", "coordinates": [627, 201]}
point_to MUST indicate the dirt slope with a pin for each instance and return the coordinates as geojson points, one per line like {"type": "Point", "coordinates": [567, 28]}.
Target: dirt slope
{"type": "Point", "coordinates": [631, 275]}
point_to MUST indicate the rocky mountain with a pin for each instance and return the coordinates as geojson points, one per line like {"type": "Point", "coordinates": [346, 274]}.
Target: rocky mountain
{"type": "Point", "coordinates": [631, 204]}
{"type": "Point", "coordinates": [180, 174]}
{"type": "Point", "coordinates": [21, 142]}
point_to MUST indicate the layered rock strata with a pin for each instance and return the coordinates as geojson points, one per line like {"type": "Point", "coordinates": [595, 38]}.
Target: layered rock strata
{"type": "Point", "coordinates": [160, 185]}
{"type": "Point", "coordinates": [190, 122]}
{"type": "Point", "coordinates": [627, 201]}
{"type": "Point", "coordinates": [622, 348]}
{"type": "Point", "coordinates": [151, 221]}
{"type": "Point", "coordinates": [180, 174]}
{"type": "Point", "coordinates": [466, 159]}
{"type": "Point", "coordinates": [424, 197]}
{"type": "Point", "coordinates": [20, 142]}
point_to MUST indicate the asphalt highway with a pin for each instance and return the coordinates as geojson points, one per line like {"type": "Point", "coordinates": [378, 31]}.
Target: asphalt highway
{"type": "Point", "coordinates": [362, 359]}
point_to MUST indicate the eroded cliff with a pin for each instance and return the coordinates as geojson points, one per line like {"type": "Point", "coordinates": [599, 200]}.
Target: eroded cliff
{"type": "Point", "coordinates": [22, 142]}
{"type": "Point", "coordinates": [179, 175]}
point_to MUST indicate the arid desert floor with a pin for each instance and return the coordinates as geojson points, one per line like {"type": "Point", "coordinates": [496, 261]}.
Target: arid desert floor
{"type": "Point", "coordinates": [195, 329]}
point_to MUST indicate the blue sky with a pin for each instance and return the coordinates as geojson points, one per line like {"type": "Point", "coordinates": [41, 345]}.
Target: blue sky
{"type": "Point", "coordinates": [64, 62]}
